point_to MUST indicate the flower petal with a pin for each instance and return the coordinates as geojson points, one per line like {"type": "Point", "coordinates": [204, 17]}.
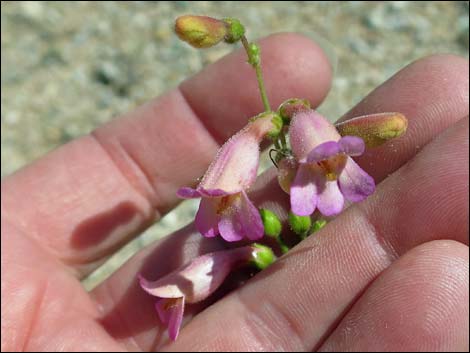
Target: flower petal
{"type": "Point", "coordinates": [207, 218]}
{"type": "Point", "coordinates": [355, 184]}
{"type": "Point", "coordinates": [176, 319]}
{"type": "Point", "coordinates": [162, 288]}
{"type": "Point", "coordinates": [330, 199]}
{"type": "Point", "coordinates": [240, 219]}
{"type": "Point", "coordinates": [201, 277]}
{"type": "Point", "coordinates": [188, 193]}
{"type": "Point", "coordinates": [303, 191]}
{"type": "Point", "coordinates": [235, 165]}
{"type": "Point", "coordinates": [352, 145]}
{"type": "Point", "coordinates": [163, 313]}
{"type": "Point", "coordinates": [229, 227]}
{"type": "Point", "coordinates": [250, 219]}
{"type": "Point", "coordinates": [212, 192]}
{"type": "Point", "coordinates": [171, 313]}
{"type": "Point", "coordinates": [308, 129]}
{"type": "Point", "coordinates": [324, 151]}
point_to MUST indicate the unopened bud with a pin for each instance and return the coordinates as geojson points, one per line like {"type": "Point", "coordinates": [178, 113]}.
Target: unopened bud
{"type": "Point", "coordinates": [291, 106]}
{"type": "Point", "coordinates": [268, 123]}
{"type": "Point", "coordinates": [318, 224]}
{"type": "Point", "coordinates": [263, 256]}
{"type": "Point", "coordinates": [200, 31]}
{"type": "Point", "coordinates": [300, 225]}
{"type": "Point", "coordinates": [272, 224]}
{"type": "Point", "coordinates": [374, 129]}
{"type": "Point", "coordinates": [235, 30]}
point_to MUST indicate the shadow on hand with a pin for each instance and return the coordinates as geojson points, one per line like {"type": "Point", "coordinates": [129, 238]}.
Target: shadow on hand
{"type": "Point", "coordinates": [96, 229]}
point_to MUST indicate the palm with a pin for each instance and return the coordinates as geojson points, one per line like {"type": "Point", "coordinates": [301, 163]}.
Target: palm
{"type": "Point", "coordinates": [370, 280]}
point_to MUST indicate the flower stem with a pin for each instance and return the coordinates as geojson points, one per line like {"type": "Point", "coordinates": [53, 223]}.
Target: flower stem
{"type": "Point", "coordinates": [252, 50]}
{"type": "Point", "coordinates": [282, 137]}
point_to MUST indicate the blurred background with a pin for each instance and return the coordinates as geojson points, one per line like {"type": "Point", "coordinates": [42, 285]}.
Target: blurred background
{"type": "Point", "coordinates": [67, 67]}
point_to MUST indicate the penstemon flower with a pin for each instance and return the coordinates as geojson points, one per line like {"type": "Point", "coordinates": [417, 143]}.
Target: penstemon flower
{"type": "Point", "coordinates": [326, 174]}
{"type": "Point", "coordinates": [314, 166]}
{"type": "Point", "coordinates": [225, 208]}
{"type": "Point", "coordinates": [198, 280]}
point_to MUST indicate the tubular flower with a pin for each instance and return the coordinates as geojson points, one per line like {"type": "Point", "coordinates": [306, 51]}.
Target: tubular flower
{"type": "Point", "coordinates": [194, 282]}
{"type": "Point", "coordinates": [225, 208]}
{"type": "Point", "coordinates": [326, 174]}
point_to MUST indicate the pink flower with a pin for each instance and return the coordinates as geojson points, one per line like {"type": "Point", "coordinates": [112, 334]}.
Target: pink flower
{"type": "Point", "coordinates": [194, 282]}
{"type": "Point", "coordinates": [326, 174]}
{"type": "Point", "coordinates": [225, 208]}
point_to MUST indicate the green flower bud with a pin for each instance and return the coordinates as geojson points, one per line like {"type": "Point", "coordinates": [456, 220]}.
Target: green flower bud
{"type": "Point", "coordinates": [291, 106]}
{"type": "Point", "coordinates": [272, 224]}
{"type": "Point", "coordinates": [263, 256]}
{"type": "Point", "coordinates": [318, 224]}
{"type": "Point", "coordinates": [235, 30]}
{"type": "Point", "coordinates": [254, 53]}
{"type": "Point", "coordinates": [200, 31]}
{"type": "Point", "coordinates": [300, 225]}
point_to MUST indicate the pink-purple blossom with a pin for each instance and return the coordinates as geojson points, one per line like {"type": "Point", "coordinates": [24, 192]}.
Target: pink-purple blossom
{"type": "Point", "coordinates": [327, 175]}
{"type": "Point", "coordinates": [193, 283]}
{"type": "Point", "coordinates": [225, 208]}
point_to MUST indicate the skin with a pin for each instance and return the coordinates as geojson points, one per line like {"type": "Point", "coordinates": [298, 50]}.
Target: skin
{"type": "Point", "coordinates": [390, 273]}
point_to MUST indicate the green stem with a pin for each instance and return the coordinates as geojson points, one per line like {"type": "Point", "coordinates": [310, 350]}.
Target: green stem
{"type": "Point", "coordinates": [282, 137]}
{"type": "Point", "coordinates": [256, 63]}
{"type": "Point", "coordinates": [262, 89]}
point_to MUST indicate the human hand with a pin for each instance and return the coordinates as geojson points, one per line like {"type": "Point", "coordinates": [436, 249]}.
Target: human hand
{"type": "Point", "coordinates": [390, 273]}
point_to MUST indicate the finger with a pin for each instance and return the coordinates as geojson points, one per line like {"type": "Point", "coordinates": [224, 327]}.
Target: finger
{"type": "Point", "coordinates": [267, 194]}
{"type": "Point", "coordinates": [432, 93]}
{"type": "Point", "coordinates": [85, 199]}
{"type": "Point", "coordinates": [419, 304]}
{"type": "Point", "coordinates": [295, 303]}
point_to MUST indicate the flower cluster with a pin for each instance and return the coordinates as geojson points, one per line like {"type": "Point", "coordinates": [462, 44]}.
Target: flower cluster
{"type": "Point", "coordinates": [315, 167]}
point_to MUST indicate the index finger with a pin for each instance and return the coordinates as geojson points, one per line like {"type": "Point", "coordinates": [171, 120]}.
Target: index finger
{"type": "Point", "coordinates": [85, 199]}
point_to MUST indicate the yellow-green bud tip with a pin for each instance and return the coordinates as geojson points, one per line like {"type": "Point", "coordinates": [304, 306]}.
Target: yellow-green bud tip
{"type": "Point", "coordinates": [375, 129]}
{"type": "Point", "coordinates": [272, 224]}
{"type": "Point", "coordinates": [200, 31]}
{"type": "Point", "coordinates": [263, 256]}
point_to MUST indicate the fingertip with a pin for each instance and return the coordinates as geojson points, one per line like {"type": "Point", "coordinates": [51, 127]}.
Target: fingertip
{"type": "Point", "coordinates": [299, 68]}
{"type": "Point", "coordinates": [226, 93]}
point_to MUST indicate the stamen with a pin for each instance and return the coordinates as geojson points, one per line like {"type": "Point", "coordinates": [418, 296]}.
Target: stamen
{"type": "Point", "coordinates": [329, 169]}
{"type": "Point", "coordinates": [223, 204]}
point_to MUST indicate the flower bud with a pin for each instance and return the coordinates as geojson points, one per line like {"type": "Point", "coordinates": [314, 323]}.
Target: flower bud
{"type": "Point", "coordinates": [263, 256]}
{"type": "Point", "coordinates": [200, 31]}
{"type": "Point", "coordinates": [269, 123]}
{"type": "Point", "coordinates": [300, 225]}
{"type": "Point", "coordinates": [291, 106]}
{"type": "Point", "coordinates": [374, 129]}
{"type": "Point", "coordinates": [318, 224]}
{"type": "Point", "coordinates": [272, 224]}
{"type": "Point", "coordinates": [235, 30]}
